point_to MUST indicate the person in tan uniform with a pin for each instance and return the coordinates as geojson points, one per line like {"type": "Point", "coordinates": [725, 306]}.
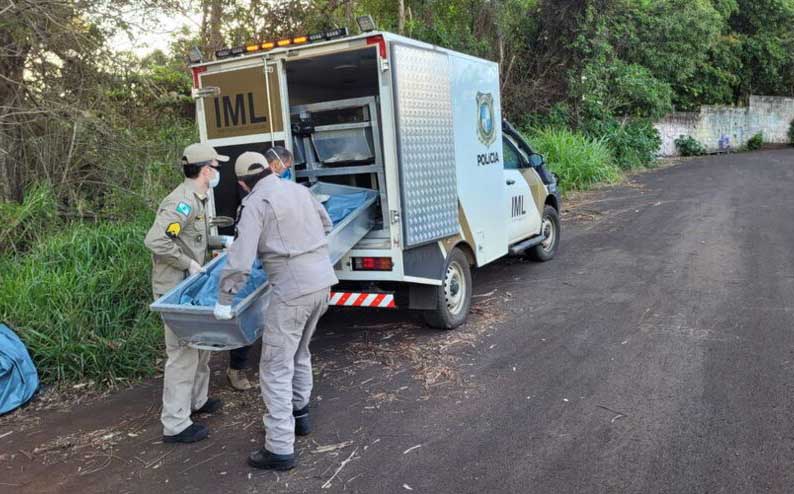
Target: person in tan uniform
{"type": "Point", "coordinates": [179, 240]}
{"type": "Point", "coordinates": [238, 358]}
{"type": "Point", "coordinates": [285, 226]}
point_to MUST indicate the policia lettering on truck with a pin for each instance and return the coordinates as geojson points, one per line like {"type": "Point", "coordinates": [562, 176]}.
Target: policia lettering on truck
{"type": "Point", "coordinates": [417, 124]}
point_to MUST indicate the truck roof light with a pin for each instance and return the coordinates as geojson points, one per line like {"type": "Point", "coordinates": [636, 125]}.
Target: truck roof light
{"type": "Point", "coordinates": [194, 55]}
{"type": "Point", "coordinates": [336, 33]}
{"type": "Point", "coordinates": [366, 23]}
{"type": "Point", "coordinates": [297, 40]}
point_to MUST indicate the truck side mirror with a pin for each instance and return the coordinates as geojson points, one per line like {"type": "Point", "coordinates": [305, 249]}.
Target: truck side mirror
{"type": "Point", "coordinates": [536, 160]}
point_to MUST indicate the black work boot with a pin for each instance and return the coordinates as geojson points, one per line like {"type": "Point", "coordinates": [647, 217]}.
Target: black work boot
{"type": "Point", "coordinates": [303, 425]}
{"type": "Point", "coordinates": [266, 460]}
{"type": "Point", "coordinates": [212, 405]}
{"type": "Point", "coordinates": [194, 433]}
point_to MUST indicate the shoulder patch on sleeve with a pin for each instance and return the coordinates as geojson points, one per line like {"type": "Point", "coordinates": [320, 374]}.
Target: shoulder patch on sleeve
{"type": "Point", "coordinates": [183, 208]}
{"type": "Point", "coordinates": [173, 230]}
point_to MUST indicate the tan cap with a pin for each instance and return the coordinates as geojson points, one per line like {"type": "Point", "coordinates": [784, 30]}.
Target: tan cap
{"type": "Point", "coordinates": [199, 153]}
{"type": "Point", "coordinates": [245, 164]}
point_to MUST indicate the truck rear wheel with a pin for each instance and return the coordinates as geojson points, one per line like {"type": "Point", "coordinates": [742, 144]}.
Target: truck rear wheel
{"type": "Point", "coordinates": [550, 229]}
{"type": "Point", "coordinates": [454, 294]}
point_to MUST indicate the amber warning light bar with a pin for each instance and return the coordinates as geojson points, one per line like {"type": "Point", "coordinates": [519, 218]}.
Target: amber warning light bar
{"type": "Point", "coordinates": [282, 43]}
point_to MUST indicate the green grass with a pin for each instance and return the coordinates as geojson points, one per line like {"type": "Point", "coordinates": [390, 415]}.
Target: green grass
{"type": "Point", "coordinates": [580, 162]}
{"type": "Point", "coordinates": [79, 300]}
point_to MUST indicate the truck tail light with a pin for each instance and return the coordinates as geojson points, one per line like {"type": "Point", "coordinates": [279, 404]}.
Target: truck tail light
{"type": "Point", "coordinates": [196, 71]}
{"type": "Point", "coordinates": [372, 264]}
{"type": "Point", "coordinates": [378, 40]}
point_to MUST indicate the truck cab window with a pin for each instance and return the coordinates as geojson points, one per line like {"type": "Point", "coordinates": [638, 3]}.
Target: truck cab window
{"type": "Point", "coordinates": [512, 160]}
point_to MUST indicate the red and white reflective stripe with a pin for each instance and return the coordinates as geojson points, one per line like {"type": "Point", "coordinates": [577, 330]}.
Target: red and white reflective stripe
{"type": "Point", "coordinates": [348, 299]}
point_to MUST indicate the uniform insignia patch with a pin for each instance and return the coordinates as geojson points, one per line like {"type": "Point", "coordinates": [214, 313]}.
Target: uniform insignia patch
{"type": "Point", "coordinates": [173, 230]}
{"type": "Point", "coordinates": [183, 208]}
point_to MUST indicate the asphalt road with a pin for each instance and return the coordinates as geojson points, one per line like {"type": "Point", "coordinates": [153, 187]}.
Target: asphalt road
{"type": "Point", "coordinates": [655, 354]}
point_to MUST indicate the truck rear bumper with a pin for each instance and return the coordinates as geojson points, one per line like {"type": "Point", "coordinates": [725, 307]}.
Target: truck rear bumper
{"type": "Point", "coordinates": [353, 299]}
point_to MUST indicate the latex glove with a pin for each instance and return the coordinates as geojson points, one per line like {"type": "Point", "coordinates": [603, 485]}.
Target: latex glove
{"type": "Point", "coordinates": [227, 241]}
{"type": "Point", "coordinates": [194, 268]}
{"type": "Point", "coordinates": [222, 312]}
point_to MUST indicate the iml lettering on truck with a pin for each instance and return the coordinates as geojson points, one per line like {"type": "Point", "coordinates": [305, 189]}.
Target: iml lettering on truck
{"type": "Point", "coordinates": [235, 114]}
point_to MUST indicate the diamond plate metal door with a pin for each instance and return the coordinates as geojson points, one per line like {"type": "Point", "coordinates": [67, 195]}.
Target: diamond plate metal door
{"type": "Point", "coordinates": [426, 144]}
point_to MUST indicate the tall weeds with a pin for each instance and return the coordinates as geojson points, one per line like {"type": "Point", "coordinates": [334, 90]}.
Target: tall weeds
{"type": "Point", "coordinates": [580, 162]}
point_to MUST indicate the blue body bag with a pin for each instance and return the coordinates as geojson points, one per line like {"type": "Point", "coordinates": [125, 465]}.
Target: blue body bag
{"type": "Point", "coordinates": [19, 379]}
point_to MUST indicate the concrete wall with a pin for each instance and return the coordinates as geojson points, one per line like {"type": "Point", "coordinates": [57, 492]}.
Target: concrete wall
{"type": "Point", "coordinates": [729, 127]}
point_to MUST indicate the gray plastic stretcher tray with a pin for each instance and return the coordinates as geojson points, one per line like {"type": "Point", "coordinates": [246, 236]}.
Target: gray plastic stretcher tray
{"type": "Point", "coordinates": [196, 325]}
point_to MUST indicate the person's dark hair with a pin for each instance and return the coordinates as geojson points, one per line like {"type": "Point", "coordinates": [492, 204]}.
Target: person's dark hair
{"type": "Point", "coordinates": [283, 153]}
{"type": "Point", "coordinates": [251, 180]}
{"type": "Point", "coordinates": [193, 170]}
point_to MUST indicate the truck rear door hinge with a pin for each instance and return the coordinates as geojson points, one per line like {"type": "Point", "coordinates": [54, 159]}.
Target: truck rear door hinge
{"type": "Point", "coordinates": [395, 217]}
{"type": "Point", "coordinates": [205, 92]}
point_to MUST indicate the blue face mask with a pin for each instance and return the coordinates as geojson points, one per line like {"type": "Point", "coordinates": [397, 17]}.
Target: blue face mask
{"type": "Point", "coordinates": [286, 174]}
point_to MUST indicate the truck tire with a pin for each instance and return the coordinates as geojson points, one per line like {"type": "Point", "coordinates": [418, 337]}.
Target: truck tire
{"type": "Point", "coordinates": [454, 294]}
{"type": "Point", "coordinates": [550, 228]}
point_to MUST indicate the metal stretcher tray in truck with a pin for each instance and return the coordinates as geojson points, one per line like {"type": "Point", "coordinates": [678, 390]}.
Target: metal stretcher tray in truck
{"type": "Point", "coordinates": [187, 308]}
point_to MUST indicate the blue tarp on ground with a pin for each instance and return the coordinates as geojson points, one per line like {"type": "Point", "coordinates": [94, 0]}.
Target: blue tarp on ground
{"type": "Point", "coordinates": [19, 379]}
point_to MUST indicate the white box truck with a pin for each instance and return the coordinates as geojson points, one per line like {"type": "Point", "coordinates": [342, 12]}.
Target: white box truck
{"type": "Point", "coordinates": [421, 125]}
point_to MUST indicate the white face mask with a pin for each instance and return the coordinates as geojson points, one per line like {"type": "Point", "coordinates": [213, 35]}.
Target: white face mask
{"type": "Point", "coordinates": [216, 179]}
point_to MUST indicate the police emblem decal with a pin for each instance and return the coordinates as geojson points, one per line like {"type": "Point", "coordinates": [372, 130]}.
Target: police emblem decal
{"type": "Point", "coordinates": [486, 127]}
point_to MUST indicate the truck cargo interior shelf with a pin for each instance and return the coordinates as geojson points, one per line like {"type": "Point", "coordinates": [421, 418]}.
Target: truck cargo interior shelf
{"type": "Point", "coordinates": [338, 170]}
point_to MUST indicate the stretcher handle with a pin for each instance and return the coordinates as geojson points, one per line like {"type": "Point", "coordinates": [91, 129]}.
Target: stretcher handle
{"type": "Point", "coordinates": [213, 348]}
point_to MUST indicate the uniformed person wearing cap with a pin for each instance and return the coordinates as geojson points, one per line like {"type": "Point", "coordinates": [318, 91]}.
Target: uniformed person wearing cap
{"type": "Point", "coordinates": [285, 226]}
{"type": "Point", "coordinates": [179, 240]}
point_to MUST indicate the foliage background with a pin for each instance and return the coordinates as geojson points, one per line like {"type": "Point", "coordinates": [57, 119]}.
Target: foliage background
{"type": "Point", "coordinates": [89, 136]}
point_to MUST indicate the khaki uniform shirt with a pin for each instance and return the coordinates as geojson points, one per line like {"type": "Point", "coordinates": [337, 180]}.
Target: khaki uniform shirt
{"type": "Point", "coordinates": [180, 233]}
{"type": "Point", "coordinates": [285, 226]}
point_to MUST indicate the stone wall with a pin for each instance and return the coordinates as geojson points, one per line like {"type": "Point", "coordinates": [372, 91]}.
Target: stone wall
{"type": "Point", "coordinates": [722, 128]}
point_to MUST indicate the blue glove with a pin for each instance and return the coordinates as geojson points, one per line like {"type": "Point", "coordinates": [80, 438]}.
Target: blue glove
{"type": "Point", "coordinates": [222, 312]}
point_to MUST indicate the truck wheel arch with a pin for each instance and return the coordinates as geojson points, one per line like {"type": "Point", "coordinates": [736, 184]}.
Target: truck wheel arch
{"type": "Point", "coordinates": [551, 200]}
{"type": "Point", "coordinates": [464, 246]}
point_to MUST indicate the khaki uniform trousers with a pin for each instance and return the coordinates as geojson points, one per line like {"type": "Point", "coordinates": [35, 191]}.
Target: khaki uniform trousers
{"type": "Point", "coordinates": [186, 380]}
{"type": "Point", "coordinates": [285, 366]}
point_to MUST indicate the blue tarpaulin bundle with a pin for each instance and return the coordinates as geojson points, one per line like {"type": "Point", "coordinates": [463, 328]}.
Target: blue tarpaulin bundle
{"type": "Point", "coordinates": [341, 205]}
{"type": "Point", "coordinates": [205, 291]}
{"type": "Point", "coordinates": [19, 380]}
